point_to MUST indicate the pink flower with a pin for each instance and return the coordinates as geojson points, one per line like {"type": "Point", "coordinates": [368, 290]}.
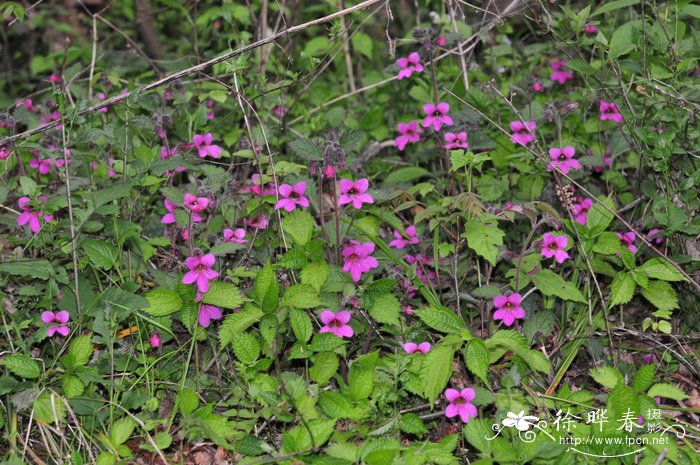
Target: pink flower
{"type": "Point", "coordinates": [27, 103]}
{"type": "Point", "coordinates": [204, 146]}
{"type": "Point", "coordinates": [237, 236]}
{"type": "Point", "coordinates": [44, 165]}
{"type": "Point", "coordinates": [290, 196]}
{"type": "Point", "coordinates": [523, 134]}
{"type": "Point", "coordinates": [169, 218]}
{"type": "Point", "coordinates": [609, 111]}
{"type": "Point", "coordinates": [54, 116]}
{"type": "Point", "coordinates": [154, 340]}
{"type": "Point", "coordinates": [655, 236]}
{"type": "Point", "coordinates": [55, 78]}
{"type": "Point", "coordinates": [409, 65]}
{"type": "Point", "coordinates": [57, 322]}
{"type": "Point", "coordinates": [508, 308]}
{"type": "Point", "coordinates": [412, 347]}
{"type": "Point", "coordinates": [400, 242]}
{"type": "Point", "coordinates": [31, 214]}
{"type": "Point", "coordinates": [607, 162]}
{"type": "Point", "coordinates": [358, 259]}
{"type": "Point", "coordinates": [436, 115]}
{"type": "Point", "coordinates": [456, 140]}
{"type": "Point", "coordinates": [279, 110]}
{"type": "Point", "coordinates": [460, 404]}
{"type": "Point", "coordinates": [441, 41]}
{"type": "Point", "coordinates": [627, 240]}
{"type": "Point", "coordinates": [329, 171]}
{"type": "Point", "coordinates": [553, 246]}
{"type": "Point", "coordinates": [194, 203]}
{"type": "Point", "coordinates": [102, 96]}
{"type": "Point", "coordinates": [408, 310]}
{"type": "Point", "coordinates": [200, 271]}
{"type": "Point", "coordinates": [648, 359]}
{"type": "Point", "coordinates": [258, 188]}
{"type": "Point", "coordinates": [259, 222]}
{"type": "Point", "coordinates": [422, 271]}
{"type": "Point", "coordinates": [563, 159]}
{"type": "Point", "coordinates": [590, 29]}
{"type": "Point", "coordinates": [336, 323]}
{"type": "Point", "coordinates": [558, 75]}
{"type": "Point", "coordinates": [210, 105]}
{"type": "Point", "coordinates": [580, 210]}
{"type": "Point", "coordinates": [207, 313]}
{"type": "Point", "coordinates": [5, 152]}
{"type": "Point", "coordinates": [354, 193]}
{"type": "Point", "coordinates": [537, 87]}
{"type": "Point", "coordinates": [409, 133]}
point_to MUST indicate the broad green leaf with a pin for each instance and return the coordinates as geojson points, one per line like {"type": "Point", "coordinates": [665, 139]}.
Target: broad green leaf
{"type": "Point", "coordinates": [476, 356]}
{"type": "Point", "coordinates": [266, 289]}
{"type": "Point", "coordinates": [163, 302]}
{"type": "Point", "coordinates": [484, 237]}
{"type": "Point", "coordinates": [104, 196]}
{"type": "Point", "coordinates": [80, 351]}
{"type": "Point", "coordinates": [39, 269]}
{"type": "Point", "coordinates": [298, 438]}
{"type": "Point", "coordinates": [385, 308]}
{"type": "Point", "coordinates": [49, 408]}
{"type": "Point", "coordinates": [234, 324]}
{"type": "Point", "coordinates": [614, 5]}
{"type": "Point", "coordinates": [187, 401]}
{"type": "Point", "coordinates": [335, 405]}
{"type": "Point", "coordinates": [362, 43]}
{"type": "Point", "coordinates": [72, 386]}
{"type": "Point", "coordinates": [102, 254]}
{"type": "Point", "coordinates": [643, 378]}
{"type": "Point", "coordinates": [436, 371]}
{"type": "Point", "coordinates": [516, 343]}
{"type": "Point", "coordinates": [22, 366]}
{"type": "Point", "coordinates": [246, 347]}
{"type": "Point", "coordinates": [441, 319]}
{"type": "Point", "coordinates": [224, 295]}
{"type": "Point", "coordinates": [550, 283]}
{"type": "Point", "coordinates": [599, 217]}
{"type": "Point", "coordinates": [667, 391]}
{"type": "Point", "coordinates": [121, 430]}
{"type": "Point", "coordinates": [301, 296]}
{"type": "Point", "coordinates": [607, 376]}
{"type": "Point", "coordinates": [658, 268]}
{"type": "Point", "coordinates": [315, 274]}
{"type": "Point", "coordinates": [408, 174]}
{"type": "Point", "coordinates": [324, 368]}
{"type": "Point", "coordinates": [299, 225]}
{"type": "Point", "coordinates": [623, 40]}
{"type": "Point", "coordinates": [301, 324]}
{"type": "Point", "coordinates": [621, 289]}
{"type": "Point", "coordinates": [661, 295]}
{"type": "Point", "coordinates": [361, 377]}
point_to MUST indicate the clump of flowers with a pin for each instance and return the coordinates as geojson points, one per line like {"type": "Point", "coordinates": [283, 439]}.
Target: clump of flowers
{"type": "Point", "coordinates": [259, 222]}
{"type": "Point", "coordinates": [237, 236]}
{"type": "Point", "coordinates": [523, 133]}
{"type": "Point", "coordinates": [336, 323]}
{"type": "Point", "coordinates": [436, 115]}
{"type": "Point", "coordinates": [537, 87]}
{"type": "Point", "coordinates": [200, 271]}
{"type": "Point", "coordinates": [400, 241]}
{"type": "Point", "coordinates": [354, 193]}
{"type": "Point", "coordinates": [655, 236]}
{"type": "Point", "coordinates": [456, 140]}
{"type": "Point", "coordinates": [563, 159]}
{"type": "Point", "coordinates": [412, 347]}
{"type": "Point", "coordinates": [554, 247]}
{"type": "Point", "coordinates": [409, 133]}
{"type": "Point", "coordinates": [292, 196]}
{"type": "Point", "coordinates": [558, 73]}
{"type": "Point", "coordinates": [460, 403]}
{"type": "Point", "coordinates": [257, 188]}
{"type": "Point", "coordinates": [57, 322]}
{"type": "Point", "coordinates": [610, 112]}
{"type": "Point", "coordinates": [580, 209]}
{"type": "Point", "coordinates": [358, 259]}
{"type": "Point", "coordinates": [409, 65]}
{"type": "Point", "coordinates": [204, 146]}
{"type": "Point", "coordinates": [508, 308]}
{"type": "Point", "coordinates": [627, 240]}
{"type": "Point", "coordinates": [32, 214]}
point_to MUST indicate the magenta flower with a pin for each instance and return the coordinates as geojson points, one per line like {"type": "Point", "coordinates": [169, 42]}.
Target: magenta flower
{"type": "Point", "coordinates": [655, 236]}
{"type": "Point", "coordinates": [354, 193]}
{"type": "Point", "coordinates": [44, 165]}
{"type": "Point", "coordinates": [259, 222]}
{"type": "Point", "coordinates": [169, 218]}
{"type": "Point", "coordinates": [609, 111]}
{"type": "Point", "coordinates": [102, 96]}
{"type": "Point", "coordinates": [210, 105]}
{"type": "Point", "coordinates": [590, 29]}
{"type": "Point", "coordinates": [648, 359]}
{"type": "Point", "coordinates": [607, 162]}
{"type": "Point", "coordinates": [336, 323]}
{"type": "Point", "coordinates": [329, 171]}
{"type": "Point", "coordinates": [508, 308]}
{"type": "Point", "coordinates": [409, 133]}
{"type": "Point", "coordinates": [154, 340]}
{"type": "Point", "coordinates": [28, 104]}
{"type": "Point", "coordinates": [580, 209]}
{"type": "Point", "coordinates": [31, 213]}
{"type": "Point", "coordinates": [554, 246]}
{"type": "Point", "coordinates": [436, 115]}
{"type": "Point", "coordinates": [523, 134]}
{"type": "Point", "coordinates": [409, 65]}
{"type": "Point", "coordinates": [422, 271]}
{"type": "Point", "coordinates": [208, 313]}
{"type": "Point", "coordinates": [237, 236]}
{"type": "Point", "coordinates": [55, 78]}
{"type": "Point", "coordinates": [290, 196]}
{"type": "Point", "coordinates": [57, 322]}
{"type": "Point", "coordinates": [200, 271]}
{"type": "Point", "coordinates": [358, 259]}
{"type": "Point", "coordinates": [195, 204]}
{"type": "Point", "coordinates": [563, 159]}
{"type": "Point", "coordinates": [460, 403]}
{"type": "Point", "coordinates": [204, 146]}
{"type": "Point", "coordinates": [400, 242]}
{"type": "Point", "coordinates": [558, 74]}
{"type": "Point", "coordinates": [412, 347]}
{"type": "Point", "coordinates": [537, 87]}
{"type": "Point", "coordinates": [258, 188]}
{"type": "Point", "coordinates": [279, 110]}
{"type": "Point", "coordinates": [627, 240]}
{"type": "Point", "coordinates": [456, 140]}
{"type": "Point", "coordinates": [5, 152]}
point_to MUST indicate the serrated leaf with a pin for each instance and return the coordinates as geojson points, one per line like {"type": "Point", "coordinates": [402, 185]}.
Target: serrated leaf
{"type": "Point", "coordinates": [622, 289]}
{"type": "Point", "coordinates": [266, 289]}
{"type": "Point", "coordinates": [607, 376]}
{"type": "Point", "coordinates": [163, 302]}
{"type": "Point", "coordinates": [324, 368]}
{"type": "Point", "coordinates": [661, 295]}
{"type": "Point", "coordinates": [361, 377]}
{"type": "Point", "coordinates": [380, 286]}
{"type": "Point", "coordinates": [306, 149]}
{"type": "Point", "coordinates": [301, 324]}
{"type": "Point", "coordinates": [246, 347]}
{"type": "Point", "coordinates": [599, 217]}
{"type": "Point", "coordinates": [224, 295]}
{"type": "Point", "coordinates": [299, 225]}
{"type": "Point", "coordinates": [441, 319]}
{"type": "Point", "coordinates": [293, 259]}
{"type": "Point", "coordinates": [121, 430]}
{"type": "Point", "coordinates": [337, 406]}
{"type": "Point", "coordinates": [236, 323]}
{"type": "Point", "coordinates": [658, 268]}
{"type": "Point", "coordinates": [49, 408]}
{"type": "Point", "coordinates": [80, 350]}
{"type": "Point", "coordinates": [102, 254]}
{"type": "Point", "coordinates": [517, 344]}
{"type": "Point", "coordinates": [39, 269]}
{"type": "Point", "coordinates": [72, 386]}
{"type": "Point", "coordinates": [408, 174]}
{"type": "Point", "coordinates": [301, 296]}
{"type": "Point", "coordinates": [643, 378]}
{"type": "Point", "coordinates": [385, 308]}
{"type": "Point", "coordinates": [484, 237]}
{"type": "Point", "coordinates": [666, 391]}
{"type": "Point", "coordinates": [22, 366]}
{"type": "Point", "coordinates": [476, 356]}
{"type": "Point", "coordinates": [436, 371]}
{"type": "Point", "coordinates": [549, 283]}
{"type": "Point", "coordinates": [315, 274]}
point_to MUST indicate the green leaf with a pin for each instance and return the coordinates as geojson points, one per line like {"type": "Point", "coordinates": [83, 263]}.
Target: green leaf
{"type": "Point", "coordinates": [28, 186]}
{"type": "Point", "coordinates": [234, 324]}
{"type": "Point", "coordinates": [324, 368]}
{"type": "Point", "coordinates": [301, 296]}
{"type": "Point", "coordinates": [306, 149]}
{"type": "Point", "coordinates": [315, 274]}
{"type": "Point", "coordinates": [484, 237]}
{"type": "Point", "coordinates": [623, 40]}
{"type": "Point", "coordinates": [100, 253]}
{"type": "Point", "coordinates": [293, 259]}
{"type": "Point", "coordinates": [658, 268]}
{"type": "Point", "coordinates": [385, 308]}
{"type": "Point", "coordinates": [607, 376]}
{"type": "Point", "coordinates": [608, 244]}
{"type": "Point", "coordinates": [599, 218]}
{"type": "Point", "coordinates": [298, 438]}
{"type": "Point", "coordinates": [72, 386]}
{"type": "Point", "coordinates": [517, 344]}
{"type": "Point", "coordinates": [39, 269]}
{"type": "Point", "coordinates": [22, 366]}
{"type": "Point", "coordinates": [121, 430]}
{"type": "Point", "coordinates": [363, 44]}
{"type": "Point", "coordinates": [188, 402]}
{"type": "Point", "coordinates": [299, 225]}
{"type": "Point", "coordinates": [224, 295]}
{"type": "Point", "coordinates": [476, 356]}
{"type": "Point", "coordinates": [436, 371]}
{"type": "Point", "coordinates": [326, 342]}
{"type": "Point", "coordinates": [267, 289]}
{"type": "Point", "coordinates": [335, 405]}
{"type": "Point", "coordinates": [615, 5]}
{"type": "Point", "coordinates": [549, 283]}
{"type": "Point", "coordinates": [246, 347]}
{"type": "Point", "coordinates": [380, 286]}
{"type": "Point", "coordinates": [621, 289]}
{"type": "Point", "coordinates": [643, 378]}
{"type": "Point", "coordinates": [163, 302]}
{"type": "Point", "coordinates": [666, 391]}
{"type": "Point", "coordinates": [408, 174]}
{"type": "Point", "coordinates": [661, 295]}
{"type": "Point", "coordinates": [80, 351]}
{"type": "Point", "coordinates": [361, 377]}
{"type": "Point", "coordinates": [441, 319]}
{"type": "Point", "coordinates": [49, 408]}
{"type": "Point", "coordinates": [301, 324]}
